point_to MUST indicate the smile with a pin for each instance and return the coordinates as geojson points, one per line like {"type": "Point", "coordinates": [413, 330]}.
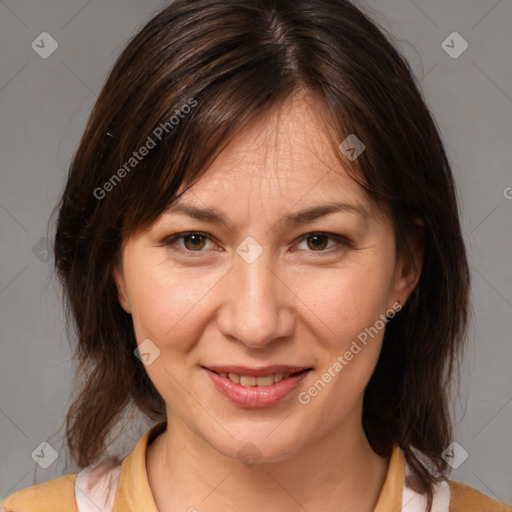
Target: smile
{"type": "Point", "coordinates": [256, 391]}
{"type": "Point", "coordinates": [249, 380]}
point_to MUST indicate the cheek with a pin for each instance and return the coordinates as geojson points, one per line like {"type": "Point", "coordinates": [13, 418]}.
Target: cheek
{"type": "Point", "coordinates": [167, 306]}
{"type": "Point", "coordinates": [350, 302]}
{"type": "Point", "coordinates": [346, 300]}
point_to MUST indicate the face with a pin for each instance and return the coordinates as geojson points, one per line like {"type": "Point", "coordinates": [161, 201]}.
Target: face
{"type": "Point", "coordinates": [239, 279]}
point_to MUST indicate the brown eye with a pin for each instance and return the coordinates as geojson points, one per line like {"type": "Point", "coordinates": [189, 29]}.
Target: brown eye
{"type": "Point", "coordinates": [324, 243]}
{"type": "Point", "coordinates": [318, 241]}
{"type": "Point", "coordinates": [194, 242]}
{"type": "Point", "coordinates": [189, 242]}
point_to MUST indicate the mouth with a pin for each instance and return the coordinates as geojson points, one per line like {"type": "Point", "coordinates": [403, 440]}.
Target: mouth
{"type": "Point", "coordinates": [253, 388]}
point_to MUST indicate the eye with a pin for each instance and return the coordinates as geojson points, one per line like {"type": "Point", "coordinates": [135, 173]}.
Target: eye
{"type": "Point", "coordinates": [197, 241]}
{"type": "Point", "coordinates": [319, 242]}
{"type": "Point", "coordinates": [193, 241]}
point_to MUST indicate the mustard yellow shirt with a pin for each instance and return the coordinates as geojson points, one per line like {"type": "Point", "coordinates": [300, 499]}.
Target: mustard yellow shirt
{"type": "Point", "coordinates": [134, 494]}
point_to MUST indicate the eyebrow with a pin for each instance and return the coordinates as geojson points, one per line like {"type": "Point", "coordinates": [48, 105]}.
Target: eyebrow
{"type": "Point", "coordinates": [301, 217]}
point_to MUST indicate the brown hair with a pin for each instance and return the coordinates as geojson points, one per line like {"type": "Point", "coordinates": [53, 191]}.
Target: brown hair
{"type": "Point", "coordinates": [230, 61]}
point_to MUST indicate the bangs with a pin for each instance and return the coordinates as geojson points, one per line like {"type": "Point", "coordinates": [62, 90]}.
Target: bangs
{"type": "Point", "coordinates": [162, 133]}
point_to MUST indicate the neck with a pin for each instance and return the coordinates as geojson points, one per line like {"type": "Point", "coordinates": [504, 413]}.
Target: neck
{"type": "Point", "coordinates": [186, 473]}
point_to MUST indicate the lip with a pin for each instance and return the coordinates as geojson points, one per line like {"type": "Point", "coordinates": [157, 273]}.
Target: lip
{"type": "Point", "coordinates": [254, 397]}
{"type": "Point", "coordinates": [257, 372]}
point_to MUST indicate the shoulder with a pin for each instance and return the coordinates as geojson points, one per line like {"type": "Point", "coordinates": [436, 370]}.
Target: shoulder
{"type": "Point", "coordinates": [56, 495]}
{"type": "Point", "coordinates": [465, 498]}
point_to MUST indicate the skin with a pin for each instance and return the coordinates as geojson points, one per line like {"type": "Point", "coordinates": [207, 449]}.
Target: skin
{"type": "Point", "coordinates": [202, 304]}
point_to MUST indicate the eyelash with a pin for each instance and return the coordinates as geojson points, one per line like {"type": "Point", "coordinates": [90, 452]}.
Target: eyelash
{"type": "Point", "coordinates": [342, 242]}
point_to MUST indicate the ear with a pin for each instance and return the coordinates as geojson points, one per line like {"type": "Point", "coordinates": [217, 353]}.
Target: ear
{"type": "Point", "coordinates": [408, 266]}
{"type": "Point", "coordinates": [122, 294]}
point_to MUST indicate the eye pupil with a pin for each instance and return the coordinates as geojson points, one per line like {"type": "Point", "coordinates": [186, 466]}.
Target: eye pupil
{"type": "Point", "coordinates": [196, 240]}
{"type": "Point", "coordinates": [320, 241]}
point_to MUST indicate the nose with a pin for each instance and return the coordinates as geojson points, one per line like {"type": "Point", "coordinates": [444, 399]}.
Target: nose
{"type": "Point", "coordinates": [258, 306]}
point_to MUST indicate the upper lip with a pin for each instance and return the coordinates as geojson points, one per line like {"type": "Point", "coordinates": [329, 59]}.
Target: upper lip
{"type": "Point", "coordinates": [257, 372]}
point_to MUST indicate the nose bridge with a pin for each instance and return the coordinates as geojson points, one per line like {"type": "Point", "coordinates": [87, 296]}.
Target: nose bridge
{"type": "Point", "coordinates": [257, 309]}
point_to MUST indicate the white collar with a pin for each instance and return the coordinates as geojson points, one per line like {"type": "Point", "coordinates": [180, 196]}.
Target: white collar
{"type": "Point", "coordinates": [413, 501]}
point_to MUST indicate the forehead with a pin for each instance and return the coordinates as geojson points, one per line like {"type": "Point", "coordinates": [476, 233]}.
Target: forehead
{"type": "Point", "coordinates": [284, 155]}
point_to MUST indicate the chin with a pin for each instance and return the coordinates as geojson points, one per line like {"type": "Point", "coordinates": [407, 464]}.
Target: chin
{"type": "Point", "coordinates": [258, 445]}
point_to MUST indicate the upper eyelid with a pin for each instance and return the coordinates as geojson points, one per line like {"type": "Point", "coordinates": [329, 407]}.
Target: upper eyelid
{"type": "Point", "coordinates": [177, 236]}
{"type": "Point", "coordinates": [172, 238]}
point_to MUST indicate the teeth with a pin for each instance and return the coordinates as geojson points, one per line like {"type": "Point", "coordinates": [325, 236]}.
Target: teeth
{"type": "Point", "coordinates": [265, 381]}
{"type": "Point", "coordinates": [234, 377]}
{"type": "Point", "coordinates": [249, 380]}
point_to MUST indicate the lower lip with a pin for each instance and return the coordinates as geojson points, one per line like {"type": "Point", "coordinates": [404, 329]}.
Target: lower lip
{"type": "Point", "coordinates": [256, 396]}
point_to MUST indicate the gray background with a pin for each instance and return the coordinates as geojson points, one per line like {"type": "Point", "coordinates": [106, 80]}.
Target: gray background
{"type": "Point", "coordinates": [44, 104]}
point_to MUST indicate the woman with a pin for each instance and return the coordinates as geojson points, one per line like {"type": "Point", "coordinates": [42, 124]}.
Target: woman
{"type": "Point", "coordinates": [260, 248]}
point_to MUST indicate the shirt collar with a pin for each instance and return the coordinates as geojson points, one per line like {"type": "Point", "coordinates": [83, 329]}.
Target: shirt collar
{"type": "Point", "coordinates": [133, 492]}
